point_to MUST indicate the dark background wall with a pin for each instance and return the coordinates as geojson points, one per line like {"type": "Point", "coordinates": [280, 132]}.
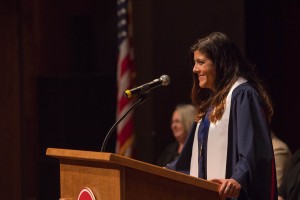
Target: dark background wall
{"type": "Point", "coordinates": [58, 75]}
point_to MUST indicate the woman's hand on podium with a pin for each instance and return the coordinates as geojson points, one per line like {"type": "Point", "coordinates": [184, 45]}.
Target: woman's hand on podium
{"type": "Point", "coordinates": [229, 188]}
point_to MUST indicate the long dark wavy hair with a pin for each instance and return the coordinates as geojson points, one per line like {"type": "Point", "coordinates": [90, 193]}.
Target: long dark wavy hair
{"type": "Point", "coordinates": [230, 64]}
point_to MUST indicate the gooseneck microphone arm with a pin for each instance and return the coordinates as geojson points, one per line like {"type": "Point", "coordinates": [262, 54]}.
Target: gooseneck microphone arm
{"type": "Point", "coordinates": [141, 100]}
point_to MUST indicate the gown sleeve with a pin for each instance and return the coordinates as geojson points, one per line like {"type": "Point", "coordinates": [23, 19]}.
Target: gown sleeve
{"type": "Point", "coordinates": [254, 167]}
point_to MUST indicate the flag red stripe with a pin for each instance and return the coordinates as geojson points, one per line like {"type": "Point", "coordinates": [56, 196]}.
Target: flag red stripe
{"type": "Point", "coordinates": [127, 132]}
{"type": "Point", "coordinates": [123, 102]}
{"type": "Point", "coordinates": [127, 64]}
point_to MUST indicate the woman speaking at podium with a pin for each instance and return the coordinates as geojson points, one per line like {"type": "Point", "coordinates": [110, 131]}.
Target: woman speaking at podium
{"type": "Point", "coordinates": [230, 142]}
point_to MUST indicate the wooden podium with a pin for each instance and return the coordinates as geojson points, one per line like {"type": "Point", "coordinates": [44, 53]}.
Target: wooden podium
{"type": "Point", "coordinates": [114, 177]}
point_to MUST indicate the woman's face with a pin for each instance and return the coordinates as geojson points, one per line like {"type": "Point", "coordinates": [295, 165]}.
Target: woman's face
{"type": "Point", "coordinates": [177, 127]}
{"type": "Point", "coordinates": [205, 69]}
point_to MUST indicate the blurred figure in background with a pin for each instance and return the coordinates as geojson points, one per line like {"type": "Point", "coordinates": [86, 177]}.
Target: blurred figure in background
{"type": "Point", "coordinates": [181, 124]}
{"type": "Point", "coordinates": [283, 157]}
{"type": "Point", "coordinates": [290, 187]}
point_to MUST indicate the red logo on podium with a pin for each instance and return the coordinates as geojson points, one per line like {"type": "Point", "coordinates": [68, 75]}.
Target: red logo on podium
{"type": "Point", "coordinates": [86, 194]}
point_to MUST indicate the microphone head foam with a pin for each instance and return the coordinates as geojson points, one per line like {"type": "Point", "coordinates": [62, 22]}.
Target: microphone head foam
{"type": "Point", "coordinates": [165, 80]}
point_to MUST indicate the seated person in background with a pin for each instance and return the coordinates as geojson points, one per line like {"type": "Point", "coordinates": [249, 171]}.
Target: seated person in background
{"type": "Point", "coordinates": [290, 187]}
{"type": "Point", "coordinates": [182, 120]}
{"type": "Point", "coordinates": [283, 158]}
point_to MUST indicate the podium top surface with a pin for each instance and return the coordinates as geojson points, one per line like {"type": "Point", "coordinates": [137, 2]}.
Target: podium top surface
{"type": "Point", "coordinates": [100, 157]}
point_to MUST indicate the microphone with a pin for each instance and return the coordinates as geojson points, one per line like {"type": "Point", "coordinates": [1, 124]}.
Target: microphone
{"type": "Point", "coordinates": [164, 80]}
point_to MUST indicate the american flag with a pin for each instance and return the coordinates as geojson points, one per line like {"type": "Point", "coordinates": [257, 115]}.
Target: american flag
{"type": "Point", "coordinates": [125, 76]}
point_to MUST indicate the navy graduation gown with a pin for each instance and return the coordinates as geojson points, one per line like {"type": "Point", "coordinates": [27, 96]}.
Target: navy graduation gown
{"type": "Point", "coordinates": [250, 156]}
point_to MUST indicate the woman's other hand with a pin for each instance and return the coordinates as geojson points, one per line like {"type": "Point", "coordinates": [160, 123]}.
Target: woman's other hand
{"type": "Point", "coordinates": [229, 188]}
